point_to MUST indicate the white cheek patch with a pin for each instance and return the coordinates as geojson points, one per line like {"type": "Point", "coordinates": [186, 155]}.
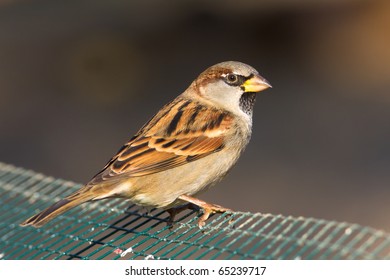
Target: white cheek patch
{"type": "Point", "coordinates": [227, 97]}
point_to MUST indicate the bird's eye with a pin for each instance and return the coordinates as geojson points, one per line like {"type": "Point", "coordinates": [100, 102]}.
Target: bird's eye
{"type": "Point", "coordinates": [232, 79]}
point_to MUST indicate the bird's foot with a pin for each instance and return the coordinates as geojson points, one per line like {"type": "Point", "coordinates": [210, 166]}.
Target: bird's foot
{"type": "Point", "coordinates": [208, 208]}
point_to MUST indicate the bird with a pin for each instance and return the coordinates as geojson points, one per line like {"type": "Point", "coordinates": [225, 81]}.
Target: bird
{"type": "Point", "coordinates": [183, 150]}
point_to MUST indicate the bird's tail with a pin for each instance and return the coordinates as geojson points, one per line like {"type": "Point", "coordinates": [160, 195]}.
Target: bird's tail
{"type": "Point", "coordinates": [85, 194]}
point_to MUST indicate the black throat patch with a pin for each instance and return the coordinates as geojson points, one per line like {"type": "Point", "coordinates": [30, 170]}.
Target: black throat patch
{"type": "Point", "coordinates": [247, 101]}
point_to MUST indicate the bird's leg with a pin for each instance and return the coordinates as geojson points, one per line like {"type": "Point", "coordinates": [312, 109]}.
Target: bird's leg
{"type": "Point", "coordinates": [208, 208]}
{"type": "Point", "coordinates": [176, 210]}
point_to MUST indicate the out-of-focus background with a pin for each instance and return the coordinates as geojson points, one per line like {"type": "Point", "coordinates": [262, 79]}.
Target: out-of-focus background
{"type": "Point", "coordinates": [78, 78]}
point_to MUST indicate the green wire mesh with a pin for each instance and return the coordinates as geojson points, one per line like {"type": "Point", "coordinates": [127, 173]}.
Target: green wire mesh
{"type": "Point", "coordinates": [112, 229]}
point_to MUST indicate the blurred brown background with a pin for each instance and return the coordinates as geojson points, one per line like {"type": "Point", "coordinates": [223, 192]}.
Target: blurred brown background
{"type": "Point", "coordinates": [78, 78]}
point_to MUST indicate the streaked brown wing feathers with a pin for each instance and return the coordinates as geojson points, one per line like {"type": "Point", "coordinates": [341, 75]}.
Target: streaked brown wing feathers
{"type": "Point", "coordinates": [189, 131]}
{"type": "Point", "coordinates": [155, 158]}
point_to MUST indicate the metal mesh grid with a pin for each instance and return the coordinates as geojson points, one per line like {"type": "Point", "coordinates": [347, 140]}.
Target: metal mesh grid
{"type": "Point", "coordinates": [112, 230]}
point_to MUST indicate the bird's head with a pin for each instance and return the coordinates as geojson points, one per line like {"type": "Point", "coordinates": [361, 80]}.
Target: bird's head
{"type": "Point", "coordinates": [231, 86]}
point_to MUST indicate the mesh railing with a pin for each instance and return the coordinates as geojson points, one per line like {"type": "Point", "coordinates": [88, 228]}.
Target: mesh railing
{"type": "Point", "coordinates": [112, 229]}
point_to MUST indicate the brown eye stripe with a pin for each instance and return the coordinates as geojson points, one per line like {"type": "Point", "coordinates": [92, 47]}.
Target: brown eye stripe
{"type": "Point", "coordinates": [213, 75]}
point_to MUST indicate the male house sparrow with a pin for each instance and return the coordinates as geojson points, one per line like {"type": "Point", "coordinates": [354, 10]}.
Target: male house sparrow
{"type": "Point", "coordinates": [188, 146]}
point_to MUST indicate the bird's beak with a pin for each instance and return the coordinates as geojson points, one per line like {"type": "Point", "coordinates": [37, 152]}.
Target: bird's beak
{"type": "Point", "coordinates": [256, 84]}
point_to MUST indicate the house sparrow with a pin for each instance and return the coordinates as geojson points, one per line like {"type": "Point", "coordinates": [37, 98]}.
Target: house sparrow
{"type": "Point", "coordinates": [188, 146]}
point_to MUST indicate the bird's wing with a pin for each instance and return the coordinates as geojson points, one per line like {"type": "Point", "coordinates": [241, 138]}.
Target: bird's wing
{"type": "Point", "coordinates": [183, 131]}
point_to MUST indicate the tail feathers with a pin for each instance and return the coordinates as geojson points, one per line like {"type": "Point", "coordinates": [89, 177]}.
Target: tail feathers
{"type": "Point", "coordinates": [58, 208]}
